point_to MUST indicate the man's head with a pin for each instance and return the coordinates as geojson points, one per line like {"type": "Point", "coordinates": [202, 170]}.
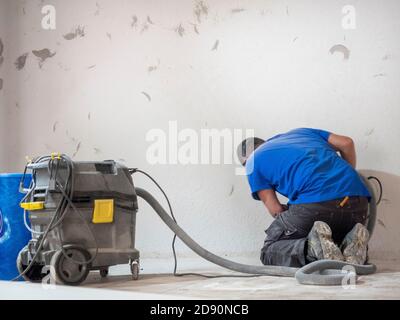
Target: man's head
{"type": "Point", "coordinates": [247, 147]}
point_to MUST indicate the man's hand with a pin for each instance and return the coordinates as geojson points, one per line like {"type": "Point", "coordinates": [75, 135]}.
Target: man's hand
{"type": "Point", "coordinates": [345, 146]}
{"type": "Point", "coordinates": [270, 200]}
{"type": "Point", "coordinates": [285, 207]}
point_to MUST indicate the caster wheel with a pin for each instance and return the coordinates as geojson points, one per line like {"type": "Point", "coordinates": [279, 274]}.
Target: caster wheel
{"type": "Point", "coordinates": [70, 268]}
{"type": "Point", "coordinates": [135, 269]}
{"type": "Point", "coordinates": [35, 273]}
{"type": "Point", "coordinates": [104, 273]}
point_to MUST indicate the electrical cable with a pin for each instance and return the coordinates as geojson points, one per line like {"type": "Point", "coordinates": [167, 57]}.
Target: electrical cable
{"type": "Point", "coordinates": [63, 205]}
{"type": "Point", "coordinates": [38, 250]}
{"type": "Point", "coordinates": [132, 171]}
{"type": "Point", "coordinates": [68, 188]}
{"type": "Point", "coordinates": [90, 230]}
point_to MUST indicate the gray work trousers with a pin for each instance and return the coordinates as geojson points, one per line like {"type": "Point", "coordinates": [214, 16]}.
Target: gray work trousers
{"type": "Point", "coordinates": [286, 240]}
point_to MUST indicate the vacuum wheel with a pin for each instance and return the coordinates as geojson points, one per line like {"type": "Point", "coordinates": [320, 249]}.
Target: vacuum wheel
{"type": "Point", "coordinates": [35, 273]}
{"type": "Point", "coordinates": [104, 273]}
{"type": "Point", "coordinates": [135, 269]}
{"type": "Point", "coordinates": [70, 267]}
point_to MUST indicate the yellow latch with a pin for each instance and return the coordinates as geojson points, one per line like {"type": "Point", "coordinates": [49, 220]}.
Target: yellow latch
{"type": "Point", "coordinates": [32, 206]}
{"type": "Point", "coordinates": [55, 155]}
{"type": "Point", "coordinates": [103, 211]}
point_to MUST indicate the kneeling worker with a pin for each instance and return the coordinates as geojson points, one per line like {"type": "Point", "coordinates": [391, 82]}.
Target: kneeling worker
{"type": "Point", "coordinates": [328, 201]}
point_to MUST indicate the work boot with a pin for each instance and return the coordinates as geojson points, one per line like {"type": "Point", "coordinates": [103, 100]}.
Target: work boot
{"type": "Point", "coordinates": [321, 245]}
{"type": "Point", "coordinates": [355, 244]}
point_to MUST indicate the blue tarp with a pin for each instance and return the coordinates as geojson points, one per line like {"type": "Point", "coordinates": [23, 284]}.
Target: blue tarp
{"type": "Point", "coordinates": [13, 234]}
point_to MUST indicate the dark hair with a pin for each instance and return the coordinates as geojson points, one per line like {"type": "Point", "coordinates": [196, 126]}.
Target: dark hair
{"type": "Point", "coordinates": [247, 147]}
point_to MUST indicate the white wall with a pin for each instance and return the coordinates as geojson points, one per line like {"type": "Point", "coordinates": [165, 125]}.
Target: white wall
{"type": "Point", "coordinates": [3, 113]}
{"type": "Point", "coordinates": [272, 71]}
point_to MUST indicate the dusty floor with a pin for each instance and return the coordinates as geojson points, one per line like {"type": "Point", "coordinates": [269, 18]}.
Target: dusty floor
{"type": "Point", "coordinates": [383, 285]}
{"type": "Point", "coordinates": [153, 285]}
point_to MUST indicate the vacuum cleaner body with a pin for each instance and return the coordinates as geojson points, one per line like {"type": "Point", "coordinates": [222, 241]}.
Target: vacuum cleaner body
{"type": "Point", "coordinates": [96, 229]}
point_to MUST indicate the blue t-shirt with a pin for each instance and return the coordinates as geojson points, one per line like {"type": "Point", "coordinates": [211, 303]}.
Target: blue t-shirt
{"type": "Point", "coordinates": [302, 166]}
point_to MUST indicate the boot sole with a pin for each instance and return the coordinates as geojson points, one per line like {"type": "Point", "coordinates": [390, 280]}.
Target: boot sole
{"type": "Point", "coordinates": [356, 251]}
{"type": "Point", "coordinates": [329, 249]}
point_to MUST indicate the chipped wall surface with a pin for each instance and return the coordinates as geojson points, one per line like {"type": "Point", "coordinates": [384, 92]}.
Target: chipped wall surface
{"type": "Point", "coordinates": [112, 70]}
{"type": "Point", "coordinates": [3, 74]}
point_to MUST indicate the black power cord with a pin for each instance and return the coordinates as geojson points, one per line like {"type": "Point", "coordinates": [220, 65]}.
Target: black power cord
{"type": "Point", "coordinates": [132, 171]}
{"type": "Point", "coordinates": [62, 208]}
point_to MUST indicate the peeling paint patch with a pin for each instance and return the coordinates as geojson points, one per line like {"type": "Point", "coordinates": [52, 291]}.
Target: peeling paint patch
{"type": "Point", "coordinates": [145, 27]}
{"type": "Point", "coordinates": [97, 12]}
{"type": "Point", "coordinates": [238, 10]}
{"type": "Point", "coordinates": [380, 75]}
{"type": "Point", "coordinates": [43, 55]}
{"type": "Point", "coordinates": [149, 20]}
{"type": "Point", "coordinates": [200, 10]}
{"type": "Point", "coordinates": [79, 31]}
{"type": "Point", "coordinates": [150, 69]}
{"type": "Point", "coordinates": [341, 49]}
{"type": "Point", "coordinates": [71, 138]}
{"type": "Point", "coordinates": [154, 67]}
{"type": "Point", "coordinates": [180, 30]}
{"type": "Point", "coordinates": [195, 28]}
{"type": "Point", "coordinates": [55, 126]}
{"type": "Point", "coordinates": [380, 222]}
{"type": "Point", "coordinates": [1, 84]}
{"type": "Point", "coordinates": [216, 45]}
{"type": "Point", "coordinates": [1, 52]}
{"type": "Point", "coordinates": [134, 22]}
{"type": "Point", "coordinates": [369, 132]}
{"type": "Point", "coordinates": [63, 67]}
{"type": "Point", "coordinates": [21, 60]}
{"type": "Point", "coordinates": [146, 95]}
{"type": "Point", "coordinates": [78, 147]}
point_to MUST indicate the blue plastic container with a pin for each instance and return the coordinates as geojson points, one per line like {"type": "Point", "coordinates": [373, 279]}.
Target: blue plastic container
{"type": "Point", "coordinates": [13, 233]}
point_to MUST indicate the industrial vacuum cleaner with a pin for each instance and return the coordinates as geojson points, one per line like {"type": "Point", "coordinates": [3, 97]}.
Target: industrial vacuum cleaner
{"type": "Point", "coordinates": [82, 217]}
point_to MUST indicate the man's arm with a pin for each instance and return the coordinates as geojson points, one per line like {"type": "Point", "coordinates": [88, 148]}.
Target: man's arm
{"type": "Point", "coordinates": [270, 200]}
{"type": "Point", "coordinates": [345, 146]}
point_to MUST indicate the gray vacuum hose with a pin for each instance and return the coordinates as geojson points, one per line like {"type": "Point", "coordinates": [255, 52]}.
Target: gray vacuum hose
{"type": "Point", "coordinates": [321, 272]}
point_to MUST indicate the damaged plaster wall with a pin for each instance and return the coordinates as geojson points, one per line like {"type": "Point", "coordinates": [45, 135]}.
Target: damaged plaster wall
{"type": "Point", "coordinates": [113, 70]}
{"type": "Point", "coordinates": [4, 121]}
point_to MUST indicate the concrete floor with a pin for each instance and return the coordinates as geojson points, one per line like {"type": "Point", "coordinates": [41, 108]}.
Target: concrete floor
{"type": "Point", "coordinates": [155, 286]}
{"type": "Point", "coordinates": [383, 285]}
